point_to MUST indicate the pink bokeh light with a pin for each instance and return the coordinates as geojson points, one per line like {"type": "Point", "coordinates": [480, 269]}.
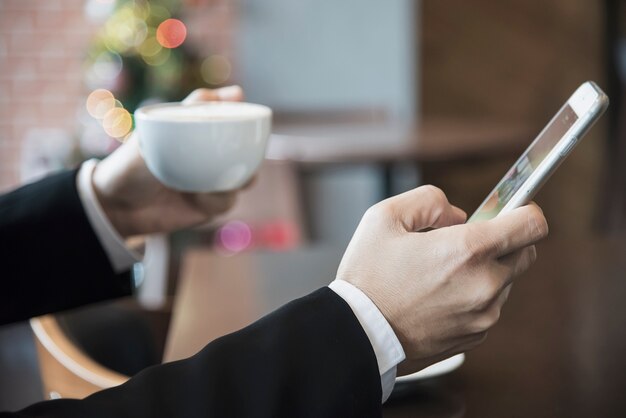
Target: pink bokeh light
{"type": "Point", "coordinates": [234, 236]}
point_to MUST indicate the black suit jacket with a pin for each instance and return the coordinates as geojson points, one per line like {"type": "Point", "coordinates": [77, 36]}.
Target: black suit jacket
{"type": "Point", "coordinates": [310, 358]}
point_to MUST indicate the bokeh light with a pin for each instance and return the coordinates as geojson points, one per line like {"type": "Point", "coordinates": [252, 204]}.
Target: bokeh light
{"type": "Point", "coordinates": [158, 13]}
{"type": "Point", "coordinates": [142, 9]}
{"type": "Point", "coordinates": [99, 103]}
{"type": "Point", "coordinates": [171, 33]}
{"type": "Point", "coordinates": [117, 28]}
{"type": "Point", "coordinates": [216, 69]}
{"type": "Point", "coordinates": [106, 67]}
{"type": "Point", "coordinates": [279, 235]}
{"type": "Point", "coordinates": [234, 236]}
{"type": "Point", "coordinates": [117, 122]}
{"type": "Point", "coordinates": [150, 47]}
{"type": "Point", "coordinates": [98, 10]}
{"type": "Point", "coordinates": [159, 58]}
{"type": "Point", "coordinates": [132, 32]}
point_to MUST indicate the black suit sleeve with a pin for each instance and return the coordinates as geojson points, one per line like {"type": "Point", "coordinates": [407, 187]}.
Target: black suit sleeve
{"type": "Point", "coordinates": [50, 258]}
{"type": "Point", "coordinates": [311, 358]}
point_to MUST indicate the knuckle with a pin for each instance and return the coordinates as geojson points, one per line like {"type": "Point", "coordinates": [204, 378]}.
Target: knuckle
{"type": "Point", "coordinates": [372, 211]}
{"type": "Point", "coordinates": [497, 246]}
{"type": "Point", "coordinates": [493, 287]}
{"type": "Point", "coordinates": [472, 247]}
{"type": "Point", "coordinates": [380, 212]}
{"type": "Point", "coordinates": [537, 222]}
{"type": "Point", "coordinates": [493, 316]}
{"type": "Point", "coordinates": [377, 210]}
{"type": "Point", "coordinates": [528, 258]}
{"type": "Point", "coordinates": [478, 302]}
{"type": "Point", "coordinates": [478, 325]}
{"type": "Point", "coordinates": [435, 193]}
{"type": "Point", "coordinates": [368, 217]}
{"type": "Point", "coordinates": [485, 294]}
{"type": "Point", "coordinates": [436, 212]}
{"type": "Point", "coordinates": [486, 321]}
{"type": "Point", "coordinates": [521, 263]}
{"type": "Point", "coordinates": [474, 255]}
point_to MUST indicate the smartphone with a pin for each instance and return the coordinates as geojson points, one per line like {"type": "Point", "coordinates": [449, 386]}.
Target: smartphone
{"type": "Point", "coordinates": [545, 153]}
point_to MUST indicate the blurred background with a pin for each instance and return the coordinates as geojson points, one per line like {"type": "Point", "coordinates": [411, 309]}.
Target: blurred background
{"type": "Point", "coordinates": [371, 98]}
{"type": "Point", "coordinates": [479, 79]}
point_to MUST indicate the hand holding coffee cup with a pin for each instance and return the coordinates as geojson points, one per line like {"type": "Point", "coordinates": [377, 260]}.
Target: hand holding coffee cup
{"type": "Point", "coordinates": [136, 202]}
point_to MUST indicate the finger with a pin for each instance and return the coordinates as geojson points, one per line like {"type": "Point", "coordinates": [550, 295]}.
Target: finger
{"type": "Point", "coordinates": [504, 296]}
{"type": "Point", "coordinates": [424, 207]}
{"type": "Point", "coordinates": [494, 309]}
{"type": "Point", "coordinates": [511, 231]}
{"type": "Point", "coordinates": [227, 94]}
{"type": "Point", "coordinates": [459, 218]}
{"type": "Point", "coordinates": [507, 268]}
{"type": "Point", "coordinates": [518, 262]}
{"type": "Point", "coordinates": [213, 203]}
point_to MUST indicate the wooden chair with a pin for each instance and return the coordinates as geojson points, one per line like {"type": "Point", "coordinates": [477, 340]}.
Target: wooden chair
{"type": "Point", "coordinates": [66, 371]}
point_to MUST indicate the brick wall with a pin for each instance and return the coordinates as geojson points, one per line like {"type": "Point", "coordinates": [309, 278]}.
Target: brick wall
{"type": "Point", "coordinates": [42, 45]}
{"type": "Point", "coordinates": [40, 71]}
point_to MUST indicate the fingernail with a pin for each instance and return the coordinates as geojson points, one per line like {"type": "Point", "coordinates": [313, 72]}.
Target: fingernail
{"type": "Point", "coordinates": [229, 93]}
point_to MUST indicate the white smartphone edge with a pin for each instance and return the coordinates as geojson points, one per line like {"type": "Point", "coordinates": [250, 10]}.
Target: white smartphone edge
{"type": "Point", "coordinates": [588, 102]}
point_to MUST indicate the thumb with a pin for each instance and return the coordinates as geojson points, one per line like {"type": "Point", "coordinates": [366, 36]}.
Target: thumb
{"type": "Point", "coordinates": [227, 94]}
{"type": "Point", "coordinates": [425, 207]}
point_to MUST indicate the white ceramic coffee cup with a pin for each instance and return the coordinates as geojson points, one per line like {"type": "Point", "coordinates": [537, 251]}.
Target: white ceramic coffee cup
{"type": "Point", "coordinates": [203, 147]}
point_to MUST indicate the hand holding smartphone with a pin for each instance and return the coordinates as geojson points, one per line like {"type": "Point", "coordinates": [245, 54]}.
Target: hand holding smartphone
{"type": "Point", "coordinates": [531, 171]}
{"type": "Point", "coordinates": [545, 153]}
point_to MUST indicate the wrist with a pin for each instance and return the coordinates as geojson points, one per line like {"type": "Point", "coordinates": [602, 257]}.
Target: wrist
{"type": "Point", "coordinates": [392, 313]}
{"type": "Point", "coordinates": [112, 208]}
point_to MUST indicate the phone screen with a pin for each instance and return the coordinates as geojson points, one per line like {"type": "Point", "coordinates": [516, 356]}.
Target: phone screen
{"type": "Point", "coordinates": [527, 163]}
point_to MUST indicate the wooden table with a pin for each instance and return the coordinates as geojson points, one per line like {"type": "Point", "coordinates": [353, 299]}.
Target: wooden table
{"type": "Point", "coordinates": [434, 140]}
{"type": "Point", "coordinates": [558, 351]}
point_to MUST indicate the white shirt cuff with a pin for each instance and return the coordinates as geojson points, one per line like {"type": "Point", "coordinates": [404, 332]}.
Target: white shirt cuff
{"type": "Point", "coordinates": [387, 347]}
{"type": "Point", "coordinates": [120, 256]}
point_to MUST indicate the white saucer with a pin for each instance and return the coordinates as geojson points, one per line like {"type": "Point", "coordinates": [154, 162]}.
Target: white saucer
{"type": "Point", "coordinates": [443, 367]}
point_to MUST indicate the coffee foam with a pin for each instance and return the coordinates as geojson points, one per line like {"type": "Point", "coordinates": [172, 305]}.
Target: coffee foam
{"type": "Point", "coordinates": [206, 112]}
